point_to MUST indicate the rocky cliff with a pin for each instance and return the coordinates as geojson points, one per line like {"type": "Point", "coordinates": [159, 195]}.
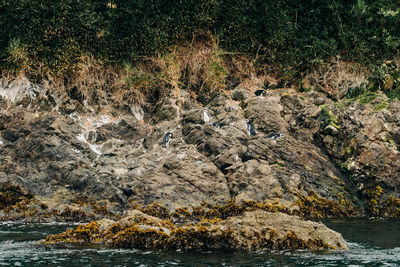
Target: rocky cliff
{"type": "Point", "coordinates": [347, 151]}
{"type": "Point", "coordinates": [62, 158]}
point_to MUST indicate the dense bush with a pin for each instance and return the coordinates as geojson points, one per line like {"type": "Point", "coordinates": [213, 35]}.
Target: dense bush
{"type": "Point", "coordinates": [296, 33]}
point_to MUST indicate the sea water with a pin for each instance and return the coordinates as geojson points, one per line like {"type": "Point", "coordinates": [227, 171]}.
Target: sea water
{"type": "Point", "coordinates": [373, 242]}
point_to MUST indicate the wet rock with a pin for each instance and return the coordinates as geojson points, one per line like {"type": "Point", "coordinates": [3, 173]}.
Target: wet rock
{"type": "Point", "coordinates": [137, 111]}
{"type": "Point", "coordinates": [225, 111]}
{"type": "Point", "coordinates": [367, 147]}
{"type": "Point", "coordinates": [128, 129]}
{"type": "Point", "coordinates": [252, 231]}
{"type": "Point", "coordinates": [67, 108]}
{"type": "Point", "coordinates": [19, 89]}
{"type": "Point", "coordinates": [331, 130]}
{"type": "Point", "coordinates": [11, 135]}
{"type": "Point", "coordinates": [254, 180]}
{"type": "Point", "coordinates": [281, 231]}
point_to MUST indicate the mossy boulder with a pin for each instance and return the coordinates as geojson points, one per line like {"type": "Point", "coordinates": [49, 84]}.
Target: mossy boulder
{"type": "Point", "coordinates": [252, 231]}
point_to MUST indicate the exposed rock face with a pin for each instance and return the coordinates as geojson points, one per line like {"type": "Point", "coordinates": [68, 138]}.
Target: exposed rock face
{"type": "Point", "coordinates": [259, 167]}
{"type": "Point", "coordinates": [64, 145]}
{"type": "Point", "coordinates": [252, 231]}
{"type": "Point", "coordinates": [369, 138]}
{"type": "Point", "coordinates": [177, 177]}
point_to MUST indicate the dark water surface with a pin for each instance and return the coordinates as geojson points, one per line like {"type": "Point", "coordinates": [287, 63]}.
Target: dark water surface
{"type": "Point", "coordinates": [373, 242]}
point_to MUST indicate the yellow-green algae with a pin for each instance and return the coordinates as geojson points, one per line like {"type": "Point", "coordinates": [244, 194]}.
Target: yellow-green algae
{"type": "Point", "coordinates": [372, 198]}
{"type": "Point", "coordinates": [11, 197]}
{"type": "Point", "coordinates": [196, 229]}
{"type": "Point", "coordinates": [391, 207]}
{"type": "Point", "coordinates": [17, 205]}
{"type": "Point", "coordinates": [376, 205]}
{"type": "Point", "coordinates": [308, 206]}
{"type": "Point", "coordinates": [315, 206]}
{"type": "Point", "coordinates": [14, 203]}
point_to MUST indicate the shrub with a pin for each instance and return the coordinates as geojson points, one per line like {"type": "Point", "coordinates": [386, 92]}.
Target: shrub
{"type": "Point", "coordinates": [292, 34]}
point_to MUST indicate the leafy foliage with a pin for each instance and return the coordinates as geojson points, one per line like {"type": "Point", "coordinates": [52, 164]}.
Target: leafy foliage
{"type": "Point", "coordinates": [291, 33]}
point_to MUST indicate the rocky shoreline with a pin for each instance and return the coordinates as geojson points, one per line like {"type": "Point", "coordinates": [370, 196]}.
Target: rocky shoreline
{"type": "Point", "coordinates": [65, 160]}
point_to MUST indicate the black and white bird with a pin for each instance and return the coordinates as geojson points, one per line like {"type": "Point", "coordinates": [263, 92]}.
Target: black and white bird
{"type": "Point", "coordinates": [250, 128]}
{"type": "Point", "coordinates": [167, 138]}
{"type": "Point", "coordinates": [215, 124]}
{"type": "Point", "coordinates": [260, 93]}
{"type": "Point", "coordinates": [275, 136]}
{"type": "Point", "coordinates": [206, 116]}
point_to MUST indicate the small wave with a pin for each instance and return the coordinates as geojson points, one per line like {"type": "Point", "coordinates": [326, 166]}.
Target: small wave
{"type": "Point", "coordinates": [357, 255]}
{"type": "Point", "coordinates": [354, 245]}
{"type": "Point", "coordinates": [18, 243]}
{"type": "Point", "coordinates": [10, 232]}
{"type": "Point", "coordinates": [22, 223]}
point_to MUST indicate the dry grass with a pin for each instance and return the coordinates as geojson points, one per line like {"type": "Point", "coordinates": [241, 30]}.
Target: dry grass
{"type": "Point", "coordinates": [93, 79]}
{"type": "Point", "coordinates": [201, 66]}
{"type": "Point", "coordinates": [100, 83]}
{"type": "Point", "coordinates": [337, 77]}
{"type": "Point", "coordinates": [243, 69]}
{"type": "Point", "coordinates": [198, 66]}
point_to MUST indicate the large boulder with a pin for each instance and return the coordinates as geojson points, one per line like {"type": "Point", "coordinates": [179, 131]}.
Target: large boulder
{"type": "Point", "coordinates": [252, 231]}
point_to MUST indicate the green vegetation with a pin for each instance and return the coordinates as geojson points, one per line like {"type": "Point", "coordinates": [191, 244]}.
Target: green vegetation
{"type": "Point", "coordinates": [297, 33]}
{"type": "Point", "coordinates": [367, 97]}
{"type": "Point", "coordinates": [381, 106]}
{"type": "Point", "coordinates": [386, 77]}
{"type": "Point", "coordinates": [138, 51]}
{"type": "Point", "coordinates": [328, 117]}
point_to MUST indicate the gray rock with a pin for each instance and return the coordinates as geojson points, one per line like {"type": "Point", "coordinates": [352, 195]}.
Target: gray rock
{"type": "Point", "coordinates": [177, 178]}
{"type": "Point", "coordinates": [240, 94]}
{"type": "Point", "coordinates": [166, 111]}
{"type": "Point", "coordinates": [265, 113]}
{"type": "Point", "coordinates": [121, 159]}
